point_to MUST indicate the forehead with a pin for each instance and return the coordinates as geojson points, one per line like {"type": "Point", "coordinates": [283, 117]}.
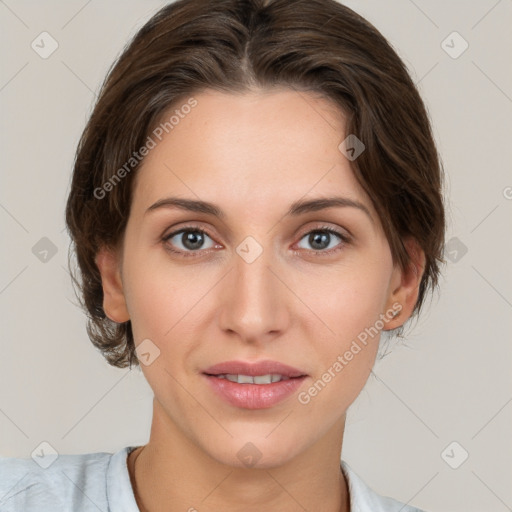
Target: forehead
{"type": "Point", "coordinates": [252, 151]}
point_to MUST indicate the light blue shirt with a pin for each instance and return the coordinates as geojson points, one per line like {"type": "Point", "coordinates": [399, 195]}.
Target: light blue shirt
{"type": "Point", "coordinates": [100, 482]}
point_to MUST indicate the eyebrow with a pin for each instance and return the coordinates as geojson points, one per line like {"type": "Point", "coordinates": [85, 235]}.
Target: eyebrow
{"type": "Point", "coordinates": [299, 207]}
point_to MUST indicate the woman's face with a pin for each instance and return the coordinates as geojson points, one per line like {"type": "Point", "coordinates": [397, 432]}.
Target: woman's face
{"type": "Point", "coordinates": [261, 283]}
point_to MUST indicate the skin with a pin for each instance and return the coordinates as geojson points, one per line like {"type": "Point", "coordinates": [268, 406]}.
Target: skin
{"type": "Point", "coordinates": [252, 154]}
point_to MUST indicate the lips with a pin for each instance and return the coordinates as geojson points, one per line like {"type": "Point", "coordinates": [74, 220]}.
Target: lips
{"type": "Point", "coordinates": [254, 385]}
{"type": "Point", "coordinates": [253, 369]}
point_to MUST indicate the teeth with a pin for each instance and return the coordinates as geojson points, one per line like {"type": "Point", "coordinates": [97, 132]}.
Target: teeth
{"type": "Point", "coordinates": [262, 379]}
{"type": "Point", "coordinates": [249, 379]}
{"type": "Point", "coordinates": [245, 379]}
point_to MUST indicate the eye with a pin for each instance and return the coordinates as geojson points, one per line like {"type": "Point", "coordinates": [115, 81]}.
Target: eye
{"type": "Point", "coordinates": [190, 241]}
{"type": "Point", "coordinates": [191, 238]}
{"type": "Point", "coordinates": [321, 240]}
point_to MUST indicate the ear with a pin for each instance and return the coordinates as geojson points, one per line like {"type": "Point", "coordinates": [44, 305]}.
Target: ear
{"type": "Point", "coordinates": [114, 303]}
{"type": "Point", "coordinates": [405, 285]}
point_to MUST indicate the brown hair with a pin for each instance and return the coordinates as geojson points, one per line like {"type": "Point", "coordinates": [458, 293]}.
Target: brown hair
{"type": "Point", "coordinates": [319, 46]}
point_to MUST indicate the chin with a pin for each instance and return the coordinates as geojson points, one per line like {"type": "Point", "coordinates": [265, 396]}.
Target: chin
{"type": "Point", "coordinates": [260, 451]}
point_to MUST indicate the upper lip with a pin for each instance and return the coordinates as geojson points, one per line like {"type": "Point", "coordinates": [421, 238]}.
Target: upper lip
{"type": "Point", "coordinates": [252, 369]}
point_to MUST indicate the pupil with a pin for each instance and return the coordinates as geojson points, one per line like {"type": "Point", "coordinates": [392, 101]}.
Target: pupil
{"type": "Point", "coordinates": [193, 240]}
{"type": "Point", "coordinates": [320, 239]}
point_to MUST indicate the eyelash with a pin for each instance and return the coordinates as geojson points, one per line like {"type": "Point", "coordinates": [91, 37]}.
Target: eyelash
{"type": "Point", "coordinates": [345, 239]}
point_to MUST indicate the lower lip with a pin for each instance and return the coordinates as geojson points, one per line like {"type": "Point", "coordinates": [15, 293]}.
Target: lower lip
{"type": "Point", "coordinates": [254, 396]}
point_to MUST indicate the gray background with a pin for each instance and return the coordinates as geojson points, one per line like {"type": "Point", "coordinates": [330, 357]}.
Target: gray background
{"type": "Point", "coordinates": [451, 382]}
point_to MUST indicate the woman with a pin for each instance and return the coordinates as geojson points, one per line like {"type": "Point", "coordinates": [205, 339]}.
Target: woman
{"type": "Point", "coordinates": [255, 198]}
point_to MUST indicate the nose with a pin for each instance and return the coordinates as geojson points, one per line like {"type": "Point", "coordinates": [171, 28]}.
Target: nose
{"type": "Point", "coordinates": [254, 300]}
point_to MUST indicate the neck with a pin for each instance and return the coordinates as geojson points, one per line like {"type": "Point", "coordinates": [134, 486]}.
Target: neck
{"type": "Point", "coordinates": [172, 473]}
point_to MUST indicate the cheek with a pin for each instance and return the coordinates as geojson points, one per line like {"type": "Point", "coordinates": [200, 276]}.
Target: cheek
{"type": "Point", "coordinates": [154, 303]}
{"type": "Point", "coordinates": [166, 305]}
{"type": "Point", "coordinates": [349, 301]}
{"type": "Point", "coordinates": [158, 294]}
{"type": "Point", "coordinates": [161, 302]}
{"type": "Point", "coordinates": [350, 298]}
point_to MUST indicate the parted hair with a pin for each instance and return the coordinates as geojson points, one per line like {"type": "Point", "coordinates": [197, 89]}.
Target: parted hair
{"type": "Point", "coordinates": [318, 46]}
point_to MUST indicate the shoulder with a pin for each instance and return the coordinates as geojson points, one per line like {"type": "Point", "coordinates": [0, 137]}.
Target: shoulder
{"type": "Point", "coordinates": [53, 484]}
{"type": "Point", "coordinates": [365, 499]}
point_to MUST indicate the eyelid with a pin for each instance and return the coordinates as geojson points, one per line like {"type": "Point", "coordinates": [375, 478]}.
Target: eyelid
{"type": "Point", "coordinates": [343, 233]}
{"type": "Point", "coordinates": [186, 227]}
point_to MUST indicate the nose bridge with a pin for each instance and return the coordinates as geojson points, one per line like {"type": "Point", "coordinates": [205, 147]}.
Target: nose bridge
{"type": "Point", "coordinates": [254, 305]}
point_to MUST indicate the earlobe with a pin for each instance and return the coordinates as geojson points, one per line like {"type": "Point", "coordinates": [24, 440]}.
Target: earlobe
{"type": "Point", "coordinates": [405, 285]}
{"type": "Point", "coordinates": [114, 302]}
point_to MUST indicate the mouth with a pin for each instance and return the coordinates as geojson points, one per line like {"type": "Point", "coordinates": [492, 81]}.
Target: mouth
{"type": "Point", "coordinates": [268, 378]}
{"type": "Point", "coordinates": [254, 385]}
{"type": "Point", "coordinates": [258, 369]}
